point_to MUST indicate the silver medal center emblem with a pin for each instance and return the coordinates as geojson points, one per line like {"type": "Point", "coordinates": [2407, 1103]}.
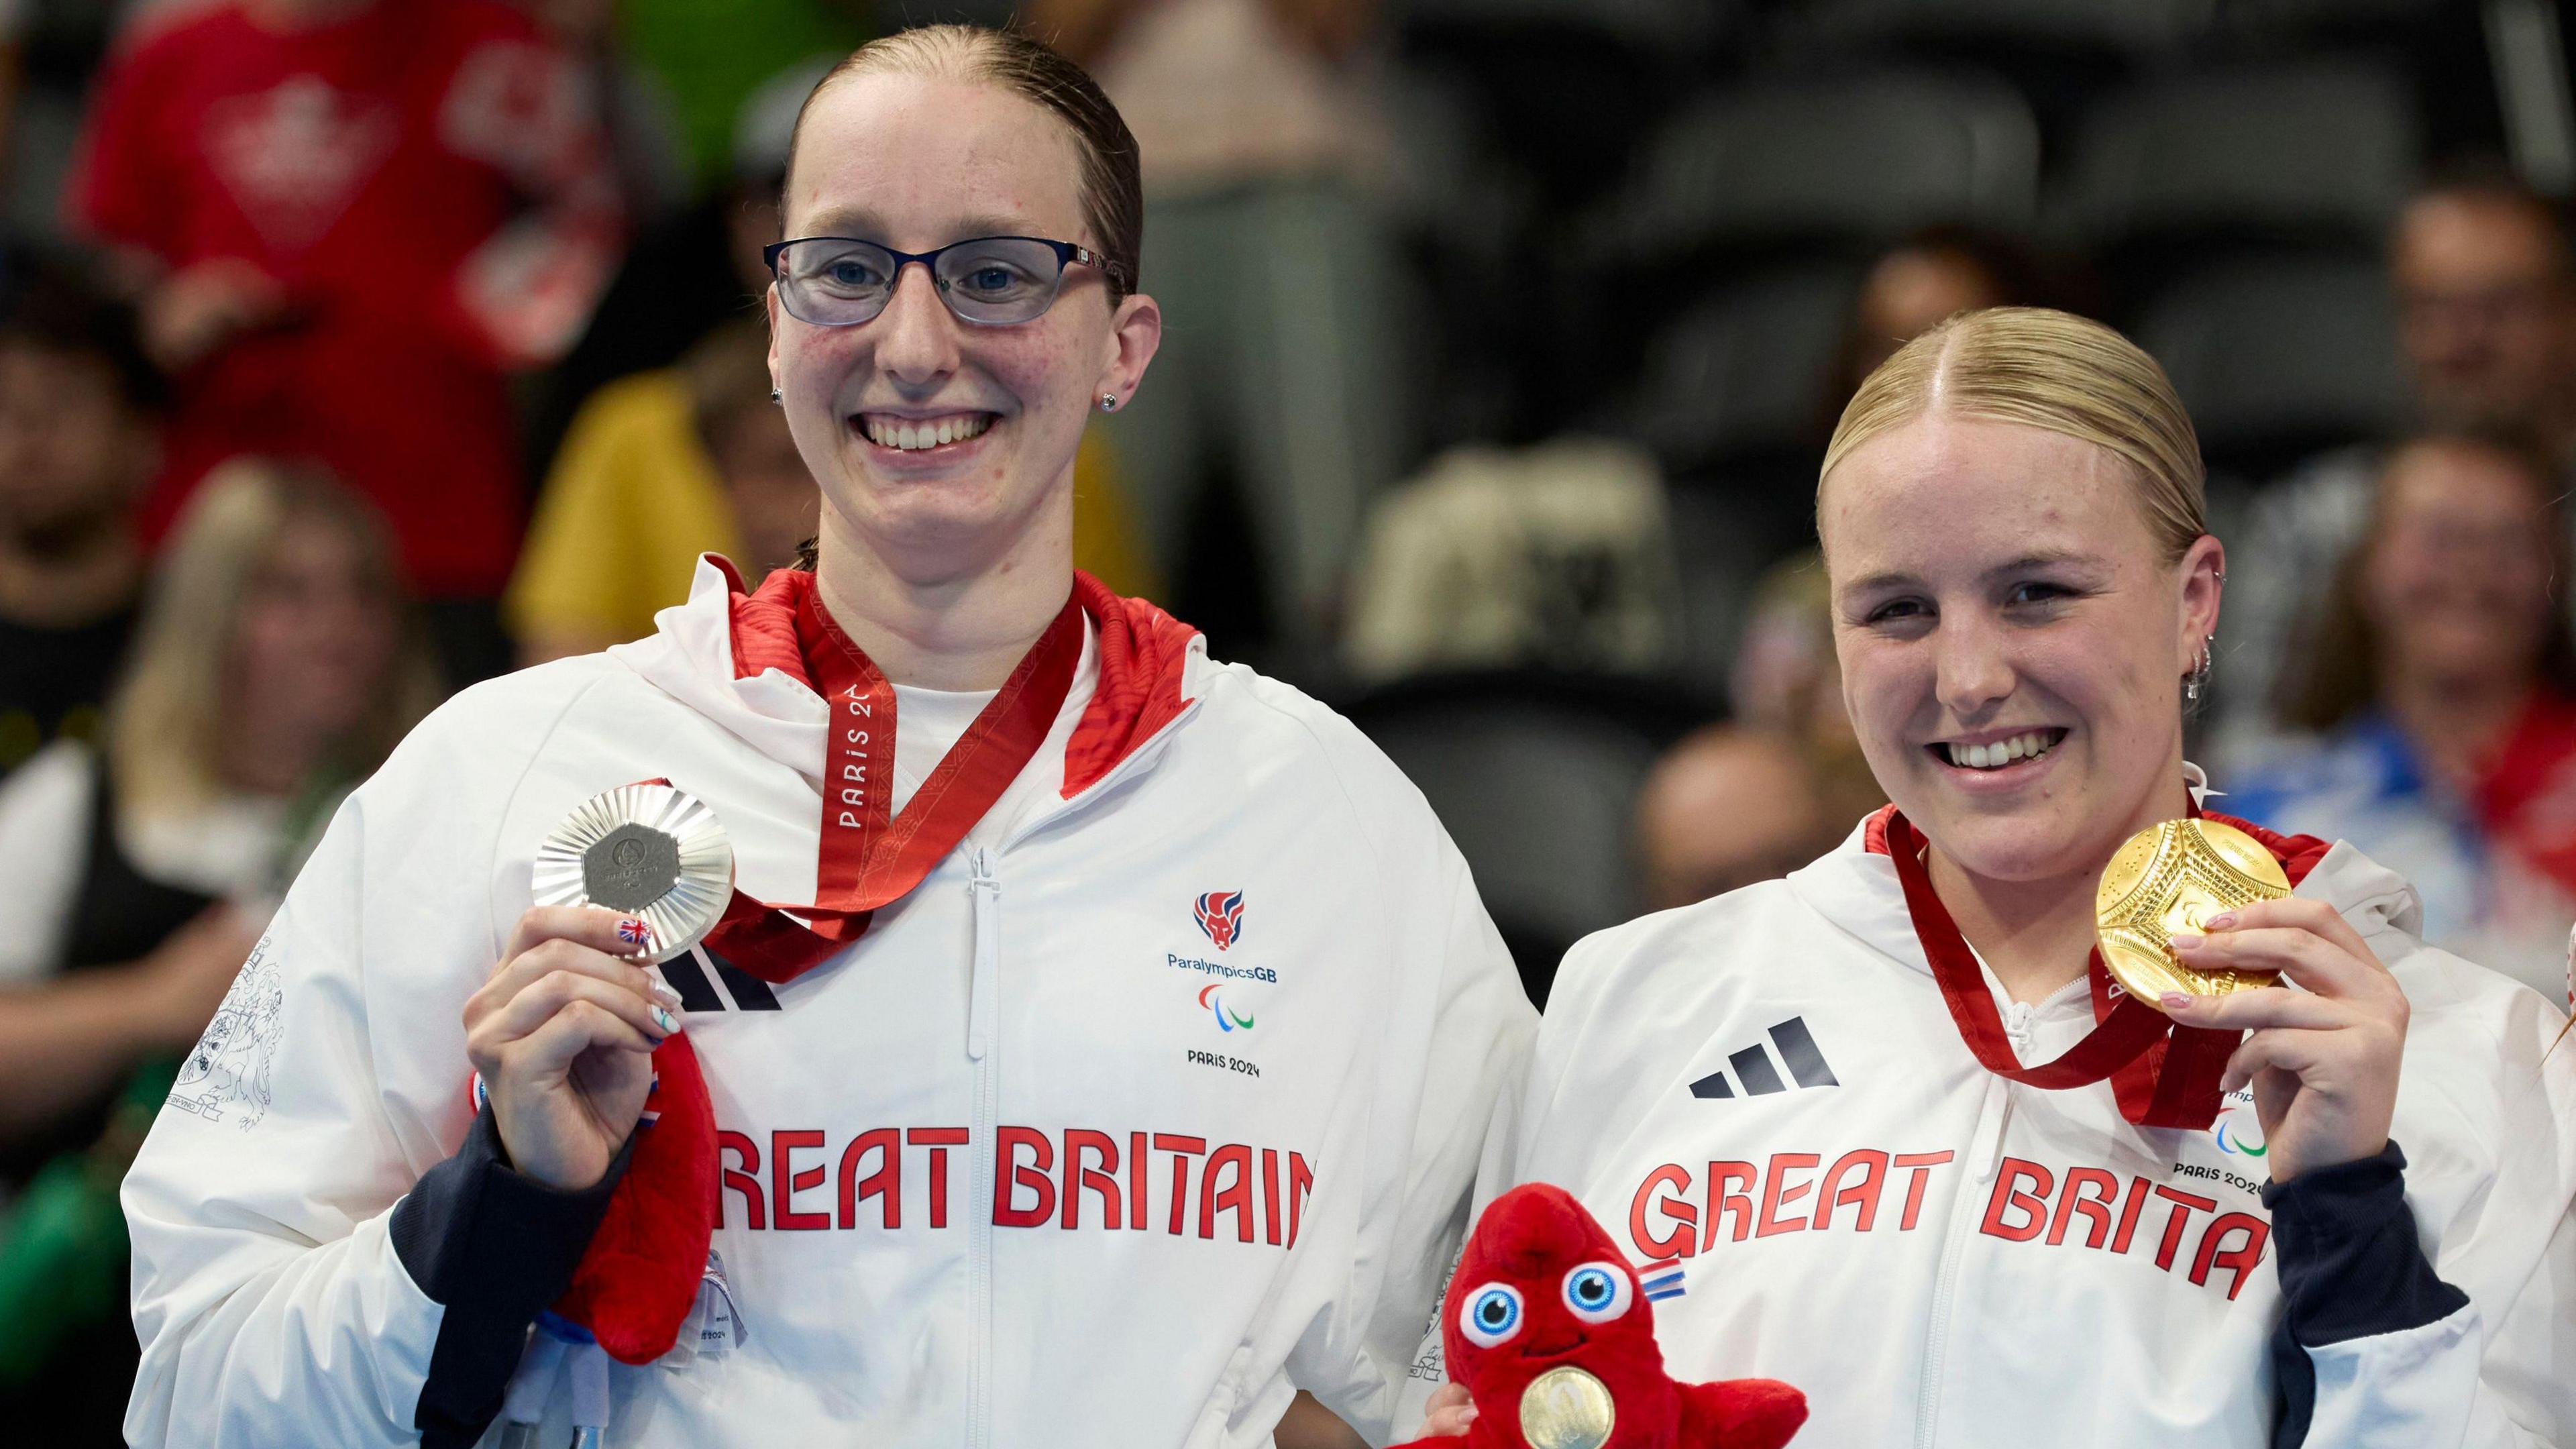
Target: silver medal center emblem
{"type": "Point", "coordinates": [630, 868]}
{"type": "Point", "coordinates": [654, 852]}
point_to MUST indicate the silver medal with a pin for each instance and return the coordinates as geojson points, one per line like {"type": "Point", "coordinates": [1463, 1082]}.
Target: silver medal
{"type": "Point", "coordinates": [651, 851]}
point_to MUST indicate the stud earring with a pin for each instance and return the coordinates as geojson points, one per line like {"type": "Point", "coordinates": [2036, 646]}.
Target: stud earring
{"type": "Point", "coordinates": [1109, 402]}
{"type": "Point", "coordinates": [776, 396]}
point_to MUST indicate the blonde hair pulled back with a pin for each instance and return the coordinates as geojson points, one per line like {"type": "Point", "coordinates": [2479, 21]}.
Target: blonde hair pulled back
{"type": "Point", "coordinates": [2045, 369]}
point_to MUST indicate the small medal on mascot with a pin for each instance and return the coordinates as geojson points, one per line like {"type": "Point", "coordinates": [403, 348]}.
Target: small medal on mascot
{"type": "Point", "coordinates": [1553, 1334]}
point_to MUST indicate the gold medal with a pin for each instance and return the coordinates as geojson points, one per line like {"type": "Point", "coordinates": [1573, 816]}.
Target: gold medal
{"type": "Point", "coordinates": [2167, 880]}
{"type": "Point", "coordinates": [1566, 1408]}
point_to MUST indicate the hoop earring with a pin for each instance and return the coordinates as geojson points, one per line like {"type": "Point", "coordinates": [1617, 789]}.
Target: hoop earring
{"type": "Point", "coordinates": [2194, 682]}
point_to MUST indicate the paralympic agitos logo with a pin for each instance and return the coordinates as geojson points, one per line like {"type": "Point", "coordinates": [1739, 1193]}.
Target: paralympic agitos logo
{"type": "Point", "coordinates": [1225, 1019]}
{"type": "Point", "coordinates": [2239, 1134]}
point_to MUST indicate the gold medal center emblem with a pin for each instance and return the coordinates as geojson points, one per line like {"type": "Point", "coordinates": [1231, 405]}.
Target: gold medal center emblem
{"type": "Point", "coordinates": [2167, 880]}
{"type": "Point", "coordinates": [1566, 1408]}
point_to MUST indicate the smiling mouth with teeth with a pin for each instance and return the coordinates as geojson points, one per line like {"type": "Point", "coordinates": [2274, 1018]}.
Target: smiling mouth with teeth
{"type": "Point", "coordinates": [2029, 744]}
{"type": "Point", "coordinates": [913, 435]}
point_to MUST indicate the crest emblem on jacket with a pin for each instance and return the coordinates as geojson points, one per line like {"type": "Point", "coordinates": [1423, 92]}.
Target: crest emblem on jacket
{"type": "Point", "coordinates": [1220, 914]}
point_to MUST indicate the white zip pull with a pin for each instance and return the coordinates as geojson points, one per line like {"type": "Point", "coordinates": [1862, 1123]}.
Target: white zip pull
{"type": "Point", "coordinates": [523, 1406]}
{"type": "Point", "coordinates": [586, 1365]}
{"type": "Point", "coordinates": [2017, 1026]}
{"type": "Point", "coordinates": [987, 893]}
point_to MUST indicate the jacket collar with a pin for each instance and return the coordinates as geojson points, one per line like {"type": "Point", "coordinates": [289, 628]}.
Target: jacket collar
{"type": "Point", "coordinates": [734, 656]}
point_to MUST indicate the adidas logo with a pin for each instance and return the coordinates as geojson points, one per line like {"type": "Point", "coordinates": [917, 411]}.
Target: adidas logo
{"type": "Point", "coordinates": [1759, 1078]}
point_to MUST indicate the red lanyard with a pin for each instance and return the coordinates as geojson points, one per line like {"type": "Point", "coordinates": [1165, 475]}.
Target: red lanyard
{"type": "Point", "coordinates": [2164, 1075]}
{"type": "Point", "coordinates": [870, 855]}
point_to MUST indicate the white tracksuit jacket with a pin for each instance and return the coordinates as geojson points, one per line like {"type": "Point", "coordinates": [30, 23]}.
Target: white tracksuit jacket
{"type": "Point", "coordinates": [1768, 1087]}
{"type": "Point", "coordinates": [936, 1219]}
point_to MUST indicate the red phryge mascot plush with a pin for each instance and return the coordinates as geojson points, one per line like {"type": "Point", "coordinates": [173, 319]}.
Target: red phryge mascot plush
{"type": "Point", "coordinates": [1552, 1333]}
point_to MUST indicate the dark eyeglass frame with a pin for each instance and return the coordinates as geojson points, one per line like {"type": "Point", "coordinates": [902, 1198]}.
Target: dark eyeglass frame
{"type": "Point", "coordinates": [1066, 254]}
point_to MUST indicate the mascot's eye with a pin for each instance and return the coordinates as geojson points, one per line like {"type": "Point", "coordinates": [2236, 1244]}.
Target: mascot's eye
{"type": "Point", "coordinates": [1597, 1292]}
{"type": "Point", "coordinates": [1492, 1315]}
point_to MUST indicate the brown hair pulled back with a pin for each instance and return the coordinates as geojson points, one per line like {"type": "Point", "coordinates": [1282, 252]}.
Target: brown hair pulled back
{"type": "Point", "coordinates": [1112, 185]}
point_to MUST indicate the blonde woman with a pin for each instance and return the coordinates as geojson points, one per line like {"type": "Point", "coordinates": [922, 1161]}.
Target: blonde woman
{"type": "Point", "coordinates": [1917, 1156]}
{"type": "Point", "coordinates": [275, 665]}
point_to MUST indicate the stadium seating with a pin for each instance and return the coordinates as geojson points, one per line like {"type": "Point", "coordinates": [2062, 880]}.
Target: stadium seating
{"type": "Point", "coordinates": [2277, 357]}
{"type": "Point", "coordinates": [1534, 777]}
{"type": "Point", "coordinates": [1854, 158]}
{"type": "Point", "coordinates": [1745, 370]}
{"type": "Point", "coordinates": [2315, 149]}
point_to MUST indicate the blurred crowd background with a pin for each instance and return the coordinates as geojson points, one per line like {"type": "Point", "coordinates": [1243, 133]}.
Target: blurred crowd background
{"type": "Point", "coordinates": [355, 350]}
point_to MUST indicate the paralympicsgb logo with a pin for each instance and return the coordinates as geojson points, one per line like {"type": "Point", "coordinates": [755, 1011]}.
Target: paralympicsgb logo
{"type": "Point", "coordinates": [1220, 915]}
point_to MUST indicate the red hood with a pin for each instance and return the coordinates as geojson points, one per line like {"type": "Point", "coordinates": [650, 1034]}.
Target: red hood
{"type": "Point", "coordinates": [1144, 658]}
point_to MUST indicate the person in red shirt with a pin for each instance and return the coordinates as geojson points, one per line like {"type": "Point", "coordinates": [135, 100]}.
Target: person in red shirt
{"type": "Point", "coordinates": [347, 220]}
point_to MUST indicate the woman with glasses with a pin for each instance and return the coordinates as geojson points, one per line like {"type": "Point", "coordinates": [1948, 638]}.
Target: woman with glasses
{"type": "Point", "coordinates": [1114, 1061]}
{"type": "Point", "coordinates": [2250, 1172]}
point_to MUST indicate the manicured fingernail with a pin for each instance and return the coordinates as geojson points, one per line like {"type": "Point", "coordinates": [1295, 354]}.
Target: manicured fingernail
{"type": "Point", "coordinates": [637, 936]}
{"type": "Point", "coordinates": [2223, 921]}
{"type": "Point", "coordinates": [2174, 1000]}
{"type": "Point", "coordinates": [2184, 941]}
{"type": "Point", "coordinates": [663, 993]}
{"type": "Point", "coordinates": [1468, 1415]}
{"type": "Point", "coordinates": [665, 1020]}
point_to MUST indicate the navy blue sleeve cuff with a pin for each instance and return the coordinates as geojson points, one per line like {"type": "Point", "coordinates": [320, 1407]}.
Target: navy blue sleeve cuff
{"type": "Point", "coordinates": [2351, 1263]}
{"type": "Point", "coordinates": [494, 1248]}
{"type": "Point", "coordinates": [2351, 1266]}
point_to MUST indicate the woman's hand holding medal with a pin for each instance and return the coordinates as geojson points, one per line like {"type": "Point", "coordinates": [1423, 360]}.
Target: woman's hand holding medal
{"type": "Point", "coordinates": [563, 1035]}
{"type": "Point", "coordinates": [2322, 1061]}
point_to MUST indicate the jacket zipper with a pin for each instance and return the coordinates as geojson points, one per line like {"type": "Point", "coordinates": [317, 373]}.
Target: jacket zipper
{"type": "Point", "coordinates": [1986, 1153]}
{"type": "Point", "coordinates": [1954, 1246]}
{"type": "Point", "coordinates": [981, 1012]}
{"type": "Point", "coordinates": [1987, 1156]}
{"type": "Point", "coordinates": [2017, 1032]}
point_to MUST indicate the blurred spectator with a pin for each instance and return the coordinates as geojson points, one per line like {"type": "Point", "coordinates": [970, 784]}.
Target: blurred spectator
{"type": "Point", "coordinates": [276, 665]}
{"type": "Point", "coordinates": [1787, 682]}
{"type": "Point", "coordinates": [2486, 291]}
{"type": "Point", "coordinates": [1261, 130]}
{"type": "Point", "coordinates": [1557, 556]}
{"type": "Point", "coordinates": [1920, 282]}
{"type": "Point", "coordinates": [686, 276]}
{"type": "Point", "coordinates": [2439, 693]}
{"type": "Point", "coordinates": [636, 113]}
{"type": "Point", "coordinates": [659, 468]}
{"type": "Point", "coordinates": [79, 439]}
{"type": "Point", "coordinates": [1725, 808]}
{"type": "Point", "coordinates": [347, 219]}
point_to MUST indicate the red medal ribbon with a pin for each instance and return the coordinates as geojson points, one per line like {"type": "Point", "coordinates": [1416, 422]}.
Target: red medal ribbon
{"type": "Point", "coordinates": [870, 855]}
{"type": "Point", "coordinates": [2164, 1074]}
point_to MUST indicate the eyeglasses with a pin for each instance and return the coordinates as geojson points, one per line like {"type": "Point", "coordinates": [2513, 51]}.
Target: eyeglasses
{"type": "Point", "coordinates": [989, 281]}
